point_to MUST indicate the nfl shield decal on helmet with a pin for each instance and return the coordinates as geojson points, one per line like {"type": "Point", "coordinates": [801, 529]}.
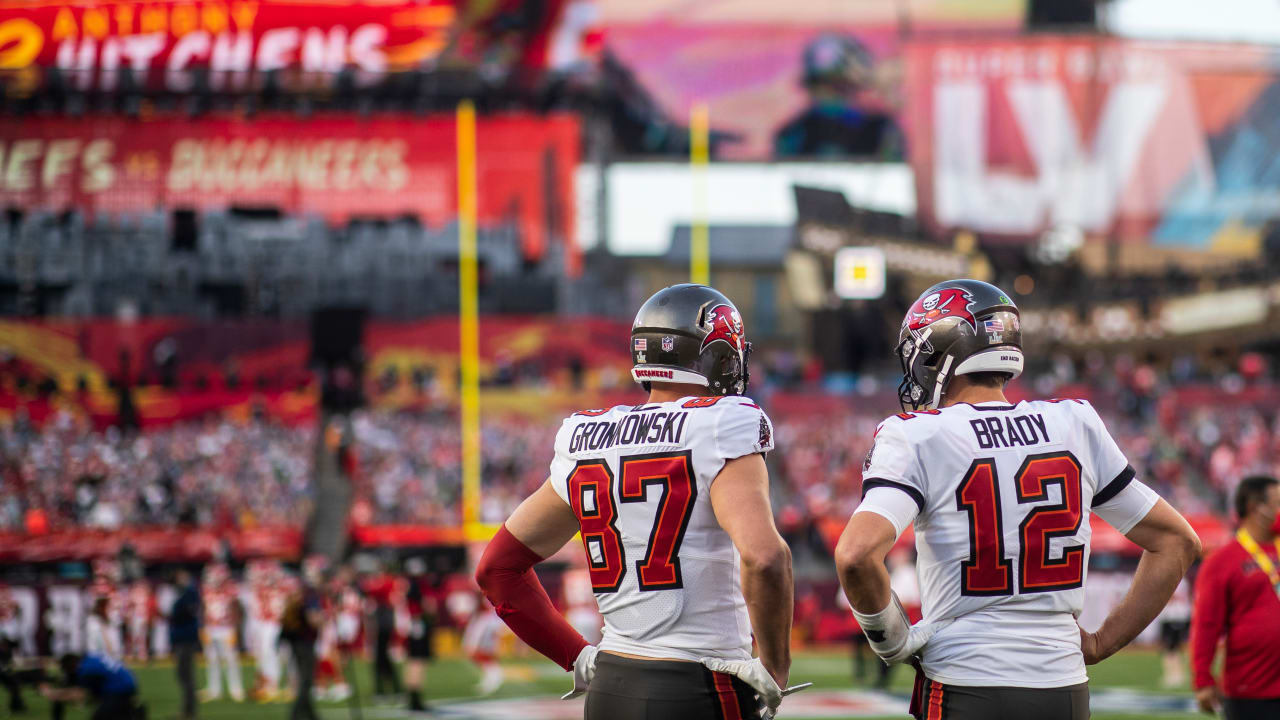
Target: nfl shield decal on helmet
{"type": "Point", "coordinates": [668, 343]}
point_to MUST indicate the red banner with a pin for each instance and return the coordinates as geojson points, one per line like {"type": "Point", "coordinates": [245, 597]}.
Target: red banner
{"type": "Point", "coordinates": [233, 38]}
{"type": "Point", "coordinates": [151, 544]}
{"type": "Point", "coordinates": [337, 167]}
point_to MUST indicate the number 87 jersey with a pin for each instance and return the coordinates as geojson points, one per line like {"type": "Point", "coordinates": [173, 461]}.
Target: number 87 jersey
{"type": "Point", "coordinates": [665, 575]}
{"type": "Point", "coordinates": [1001, 496]}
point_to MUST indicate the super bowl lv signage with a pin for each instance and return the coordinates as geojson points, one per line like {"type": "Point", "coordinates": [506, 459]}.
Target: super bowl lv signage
{"type": "Point", "coordinates": [1106, 135]}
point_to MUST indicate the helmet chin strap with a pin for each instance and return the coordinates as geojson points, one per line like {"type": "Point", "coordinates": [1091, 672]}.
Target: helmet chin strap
{"type": "Point", "coordinates": [941, 382]}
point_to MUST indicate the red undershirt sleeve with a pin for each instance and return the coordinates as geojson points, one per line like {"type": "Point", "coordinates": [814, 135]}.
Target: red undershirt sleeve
{"type": "Point", "coordinates": [505, 575]}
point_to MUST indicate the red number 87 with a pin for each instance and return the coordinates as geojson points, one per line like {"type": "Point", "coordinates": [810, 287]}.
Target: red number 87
{"type": "Point", "coordinates": [591, 496]}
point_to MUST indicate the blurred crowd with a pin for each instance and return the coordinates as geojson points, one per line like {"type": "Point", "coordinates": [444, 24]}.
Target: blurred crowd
{"type": "Point", "coordinates": [224, 473]}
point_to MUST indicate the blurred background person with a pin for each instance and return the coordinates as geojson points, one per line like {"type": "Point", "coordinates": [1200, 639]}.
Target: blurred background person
{"type": "Point", "coordinates": [99, 638]}
{"type": "Point", "coordinates": [380, 589]}
{"type": "Point", "coordinates": [480, 643]}
{"type": "Point", "coordinates": [140, 611]}
{"type": "Point", "coordinates": [9, 677]}
{"type": "Point", "coordinates": [101, 681]}
{"type": "Point", "coordinates": [1175, 628]}
{"type": "Point", "coordinates": [184, 638]}
{"type": "Point", "coordinates": [1238, 595]}
{"type": "Point", "coordinates": [838, 121]}
{"type": "Point", "coordinates": [422, 601]}
{"type": "Point", "coordinates": [300, 627]}
{"type": "Point", "coordinates": [218, 596]}
{"type": "Point", "coordinates": [269, 598]}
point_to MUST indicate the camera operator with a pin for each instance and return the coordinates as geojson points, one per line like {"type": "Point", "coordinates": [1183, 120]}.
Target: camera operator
{"type": "Point", "coordinates": [97, 679]}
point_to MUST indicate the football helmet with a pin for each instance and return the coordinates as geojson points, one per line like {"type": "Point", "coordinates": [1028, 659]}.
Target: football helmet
{"type": "Point", "coordinates": [954, 328]}
{"type": "Point", "coordinates": [690, 334]}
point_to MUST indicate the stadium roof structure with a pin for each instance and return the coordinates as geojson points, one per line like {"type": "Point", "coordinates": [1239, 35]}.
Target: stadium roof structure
{"type": "Point", "coordinates": [737, 245]}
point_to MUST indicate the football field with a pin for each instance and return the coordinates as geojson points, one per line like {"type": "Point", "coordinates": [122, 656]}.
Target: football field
{"type": "Point", "coordinates": [1125, 687]}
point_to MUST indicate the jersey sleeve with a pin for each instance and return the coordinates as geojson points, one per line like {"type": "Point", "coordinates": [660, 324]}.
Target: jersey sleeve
{"type": "Point", "coordinates": [892, 463]}
{"type": "Point", "coordinates": [1127, 507]}
{"type": "Point", "coordinates": [561, 463]}
{"type": "Point", "coordinates": [742, 428]}
{"type": "Point", "coordinates": [898, 508]}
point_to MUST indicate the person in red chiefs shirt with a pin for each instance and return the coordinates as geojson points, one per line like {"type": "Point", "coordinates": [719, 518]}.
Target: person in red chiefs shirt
{"type": "Point", "coordinates": [1238, 595]}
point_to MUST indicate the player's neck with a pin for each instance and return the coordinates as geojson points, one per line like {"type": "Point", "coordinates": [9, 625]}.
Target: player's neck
{"type": "Point", "coordinates": [1259, 530]}
{"type": "Point", "coordinates": [972, 395]}
{"type": "Point", "coordinates": [667, 392]}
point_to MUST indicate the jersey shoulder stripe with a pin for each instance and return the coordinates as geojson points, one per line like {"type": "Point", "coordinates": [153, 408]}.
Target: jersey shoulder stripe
{"type": "Point", "coordinates": [871, 483]}
{"type": "Point", "coordinates": [1113, 488]}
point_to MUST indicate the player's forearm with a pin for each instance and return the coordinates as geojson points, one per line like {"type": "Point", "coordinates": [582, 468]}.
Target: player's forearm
{"type": "Point", "coordinates": [767, 587]}
{"type": "Point", "coordinates": [866, 583]}
{"type": "Point", "coordinates": [505, 574]}
{"type": "Point", "coordinates": [1158, 575]}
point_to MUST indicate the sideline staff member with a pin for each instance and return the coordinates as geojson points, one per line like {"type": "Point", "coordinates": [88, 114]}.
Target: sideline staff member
{"type": "Point", "coordinates": [1238, 594]}
{"type": "Point", "coordinates": [97, 679]}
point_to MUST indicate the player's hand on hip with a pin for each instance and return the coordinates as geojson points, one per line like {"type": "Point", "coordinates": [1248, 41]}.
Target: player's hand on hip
{"type": "Point", "coordinates": [1209, 699]}
{"type": "Point", "coordinates": [753, 673]}
{"type": "Point", "coordinates": [1090, 647]}
{"type": "Point", "coordinates": [584, 668]}
{"type": "Point", "coordinates": [917, 637]}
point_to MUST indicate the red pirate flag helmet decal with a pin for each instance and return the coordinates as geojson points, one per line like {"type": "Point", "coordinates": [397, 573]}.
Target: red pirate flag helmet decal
{"type": "Point", "coordinates": [947, 302]}
{"type": "Point", "coordinates": [722, 322]}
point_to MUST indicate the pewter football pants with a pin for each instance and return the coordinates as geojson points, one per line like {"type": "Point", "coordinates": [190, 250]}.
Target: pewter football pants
{"type": "Point", "coordinates": [630, 689]}
{"type": "Point", "coordinates": [953, 702]}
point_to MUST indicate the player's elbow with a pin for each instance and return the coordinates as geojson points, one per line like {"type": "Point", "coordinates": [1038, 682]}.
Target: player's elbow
{"type": "Point", "coordinates": [771, 560]}
{"type": "Point", "coordinates": [855, 558]}
{"type": "Point", "coordinates": [487, 575]}
{"type": "Point", "coordinates": [1187, 545]}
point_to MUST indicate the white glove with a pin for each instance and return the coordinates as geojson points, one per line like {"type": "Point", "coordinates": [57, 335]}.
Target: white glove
{"type": "Point", "coordinates": [891, 636]}
{"type": "Point", "coordinates": [584, 668]}
{"type": "Point", "coordinates": [753, 673]}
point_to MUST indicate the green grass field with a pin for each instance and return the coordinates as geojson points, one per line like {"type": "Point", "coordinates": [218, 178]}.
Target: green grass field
{"type": "Point", "coordinates": [454, 679]}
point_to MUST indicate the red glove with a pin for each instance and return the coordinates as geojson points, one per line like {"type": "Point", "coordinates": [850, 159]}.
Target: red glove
{"type": "Point", "coordinates": [506, 576]}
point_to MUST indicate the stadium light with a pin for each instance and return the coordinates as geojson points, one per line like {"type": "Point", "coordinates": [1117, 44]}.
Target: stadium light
{"type": "Point", "coordinates": [859, 273]}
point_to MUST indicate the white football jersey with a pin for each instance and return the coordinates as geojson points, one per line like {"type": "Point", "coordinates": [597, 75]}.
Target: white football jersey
{"type": "Point", "coordinates": [665, 575]}
{"type": "Point", "coordinates": [1001, 496]}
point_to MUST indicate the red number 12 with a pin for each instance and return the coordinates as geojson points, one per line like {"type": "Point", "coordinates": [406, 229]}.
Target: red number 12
{"type": "Point", "coordinates": [987, 571]}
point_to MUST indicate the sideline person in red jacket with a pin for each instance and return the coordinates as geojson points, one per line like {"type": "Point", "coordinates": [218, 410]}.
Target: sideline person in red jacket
{"type": "Point", "coordinates": [1238, 595]}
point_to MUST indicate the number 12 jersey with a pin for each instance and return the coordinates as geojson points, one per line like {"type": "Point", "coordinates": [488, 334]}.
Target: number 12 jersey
{"type": "Point", "coordinates": [1001, 496]}
{"type": "Point", "coordinates": [665, 575]}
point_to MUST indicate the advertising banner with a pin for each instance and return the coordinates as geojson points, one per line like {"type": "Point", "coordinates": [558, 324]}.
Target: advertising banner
{"type": "Point", "coordinates": [163, 43]}
{"type": "Point", "coordinates": [224, 36]}
{"type": "Point", "coordinates": [335, 166]}
{"type": "Point", "coordinates": [1174, 143]}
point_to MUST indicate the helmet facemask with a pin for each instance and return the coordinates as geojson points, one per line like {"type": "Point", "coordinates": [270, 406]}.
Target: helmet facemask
{"type": "Point", "coordinates": [914, 351]}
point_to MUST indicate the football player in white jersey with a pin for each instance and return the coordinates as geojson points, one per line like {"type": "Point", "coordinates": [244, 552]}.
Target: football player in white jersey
{"type": "Point", "coordinates": [1000, 495]}
{"type": "Point", "coordinates": [672, 500]}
